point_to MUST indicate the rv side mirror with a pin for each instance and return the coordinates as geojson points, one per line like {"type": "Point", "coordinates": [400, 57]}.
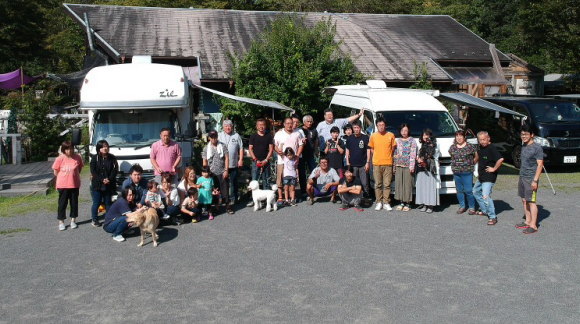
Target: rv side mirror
{"type": "Point", "coordinates": [76, 136]}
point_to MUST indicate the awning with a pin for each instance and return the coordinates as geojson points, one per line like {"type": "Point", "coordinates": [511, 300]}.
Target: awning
{"type": "Point", "coordinates": [471, 101]}
{"type": "Point", "coordinates": [264, 103]}
{"type": "Point", "coordinates": [15, 79]}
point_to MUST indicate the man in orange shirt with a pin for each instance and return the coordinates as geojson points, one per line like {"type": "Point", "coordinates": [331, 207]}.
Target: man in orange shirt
{"type": "Point", "coordinates": [382, 144]}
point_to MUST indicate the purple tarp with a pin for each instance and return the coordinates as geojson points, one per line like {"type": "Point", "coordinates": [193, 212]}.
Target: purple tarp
{"type": "Point", "coordinates": [13, 80]}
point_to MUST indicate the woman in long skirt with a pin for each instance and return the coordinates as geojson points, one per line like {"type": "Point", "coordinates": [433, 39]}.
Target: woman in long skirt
{"type": "Point", "coordinates": [428, 181]}
{"type": "Point", "coordinates": [405, 155]}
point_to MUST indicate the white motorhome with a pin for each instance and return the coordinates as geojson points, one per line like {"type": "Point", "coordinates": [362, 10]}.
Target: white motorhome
{"type": "Point", "coordinates": [417, 108]}
{"type": "Point", "coordinates": [128, 105]}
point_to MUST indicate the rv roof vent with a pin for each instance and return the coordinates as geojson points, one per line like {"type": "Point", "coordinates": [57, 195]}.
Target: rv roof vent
{"type": "Point", "coordinates": [141, 59]}
{"type": "Point", "coordinates": [376, 84]}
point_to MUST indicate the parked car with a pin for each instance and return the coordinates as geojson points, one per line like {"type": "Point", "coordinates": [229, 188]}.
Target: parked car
{"type": "Point", "coordinates": [556, 124]}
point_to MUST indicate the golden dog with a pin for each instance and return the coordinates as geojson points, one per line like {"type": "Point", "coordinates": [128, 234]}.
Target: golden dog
{"type": "Point", "coordinates": [147, 221]}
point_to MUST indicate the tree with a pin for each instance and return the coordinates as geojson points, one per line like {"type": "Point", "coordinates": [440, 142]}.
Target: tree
{"type": "Point", "coordinates": [290, 63]}
{"type": "Point", "coordinates": [422, 77]}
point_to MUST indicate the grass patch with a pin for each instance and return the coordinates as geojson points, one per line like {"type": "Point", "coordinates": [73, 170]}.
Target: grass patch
{"type": "Point", "coordinates": [14, 231]}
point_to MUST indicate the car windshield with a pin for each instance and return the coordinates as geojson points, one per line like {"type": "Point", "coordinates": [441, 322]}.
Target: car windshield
{"type": "Point", "coordinates": [557, 111]}
{"type": "Point", "coordinates": [128, 128]}
{"type": "Point", "coordinates": [440, 122]}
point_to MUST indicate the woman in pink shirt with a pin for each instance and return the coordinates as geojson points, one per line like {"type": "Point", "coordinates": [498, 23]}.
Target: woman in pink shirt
{"type": "Point", "coordinates": [67, 168]}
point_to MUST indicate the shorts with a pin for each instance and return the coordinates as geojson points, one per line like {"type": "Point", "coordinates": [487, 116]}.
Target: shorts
{"type": "Point", "coordinates": [318, 193]}
{"type": "Point", "coordinates": [289, 181]}
{"type": "Point", "coordinates": [279, 175]}
{"type": "Point", "coordinates": [525, 190]}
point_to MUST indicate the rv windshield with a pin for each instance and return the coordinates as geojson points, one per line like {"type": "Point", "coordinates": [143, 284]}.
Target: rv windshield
{"type": "Point", "coordinates": [129, 128]}
{"type": "Point", "coordinates": [440, 122]}
{"type": "Point", "coordinates": [558, 111]}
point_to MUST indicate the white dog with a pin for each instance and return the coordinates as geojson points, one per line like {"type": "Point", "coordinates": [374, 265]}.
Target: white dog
{"type": "Point", "coordinates": [258, 195]}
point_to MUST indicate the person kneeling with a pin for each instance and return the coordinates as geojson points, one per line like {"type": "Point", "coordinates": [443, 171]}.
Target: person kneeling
{"type": "Point", "coordinates": [350, 191]}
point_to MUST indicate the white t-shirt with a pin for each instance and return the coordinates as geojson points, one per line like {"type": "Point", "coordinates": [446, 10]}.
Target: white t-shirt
{"type": "Point", "coordinates": [293, 140]}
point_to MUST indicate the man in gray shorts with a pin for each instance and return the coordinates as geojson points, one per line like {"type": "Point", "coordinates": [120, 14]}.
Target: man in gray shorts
{"type": "Point", "coordinates": [530, 170]}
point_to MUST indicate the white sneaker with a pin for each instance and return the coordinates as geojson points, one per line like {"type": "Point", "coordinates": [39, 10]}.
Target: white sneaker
{"type": "Point", "coordinates": [73, 225]}
{"type": "Point", "coordinates": [119, 238]}
{"type": "Point", "coordinates": [387, 207]}
{"type": "Point", "coordinates": [166, 217]}
{"type": "Point", "coordinates": [61, 227]}
{"type": "Point", "coordinates": [379, 206]}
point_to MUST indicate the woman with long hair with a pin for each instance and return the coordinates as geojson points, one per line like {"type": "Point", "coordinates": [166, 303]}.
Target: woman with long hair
{"type": "Point", "coordinates": [463, 159]}
{"type": "Point", "coordinates": [428, 180]}
{"type": "Point", "coordinates": [104, 168]}
{"type": "Point", "coordinates": [404, 161]}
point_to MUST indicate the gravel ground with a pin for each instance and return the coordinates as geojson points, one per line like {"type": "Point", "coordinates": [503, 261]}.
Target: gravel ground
{"type": "Point", "coordinates": [301, 264]}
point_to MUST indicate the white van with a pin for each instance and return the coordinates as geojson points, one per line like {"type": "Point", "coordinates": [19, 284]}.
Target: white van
{"type": "Point", "coordinates": [129, 104]}
{"type": "Point", "coordinates": [418, 108]}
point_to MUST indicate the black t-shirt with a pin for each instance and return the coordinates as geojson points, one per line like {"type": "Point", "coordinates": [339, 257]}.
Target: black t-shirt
{"type": "Point", "coordinates": [357, 147]}
{"type": "Point", "coordinates": [311, 135]}
{"type": "Point", "coordinates": [354, 182]}
{"type": "Point", "coordinates": [488, 156]}
{"type": "Point", "coordinates": [335, 159]}
{"type": "Point", "coordinates": [261, 145]}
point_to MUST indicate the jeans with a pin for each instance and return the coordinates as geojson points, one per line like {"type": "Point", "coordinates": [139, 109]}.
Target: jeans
{"type": "Point", "coordinates": [64, 196]}
{"type": "Point", "coordinates": [173, 210]}
{"type": "Point", "coordinates": [464, 185]}
{"type": "Point", "coordinates": [233, 182]}
{"type": "Point", "coordinates": [303, 163]}
{"type": "Point", "coordinates": [262, 176]}
{"type": "Point", "coordinates": [482, 192]}
{"type": "Point", "coordinates": [224, 186]}
{"type": "Point", "coordinates": [118, 226]}
{"type": "Point", "coordinates": [98, 198]}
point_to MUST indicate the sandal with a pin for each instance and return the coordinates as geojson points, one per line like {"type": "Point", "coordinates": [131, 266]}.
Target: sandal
{"type": "Point", "coordinates": [471, 212]}
{"type": "Point", "coordinates": [492, 221]}
{"type": "Point", "coordinates": [399, 207]}
{"type": "Point", "coordinates": [522, 225]}
{"type": "Point", "coordinates": [406, 208]}
{"type": "Point", "coordinates": [480, 213]}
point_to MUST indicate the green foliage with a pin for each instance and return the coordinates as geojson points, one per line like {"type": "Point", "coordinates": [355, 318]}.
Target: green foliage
{"type": "Point", "coordinates": [423, 80]}
{"type": "Point", "coordinates": [289, 63]}
{"type": "Point", "coordinates": [41, 133]}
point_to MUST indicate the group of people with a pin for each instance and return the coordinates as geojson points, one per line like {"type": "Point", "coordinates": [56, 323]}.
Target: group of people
{"type": "Point", "coordinates": [346, 156]}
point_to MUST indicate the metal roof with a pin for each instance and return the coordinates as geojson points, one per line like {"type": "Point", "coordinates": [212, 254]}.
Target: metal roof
{"type": "Point", "coordinates": [381, 46]}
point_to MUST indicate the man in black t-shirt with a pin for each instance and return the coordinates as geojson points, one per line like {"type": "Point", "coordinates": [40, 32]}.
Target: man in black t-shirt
{"type": "Point", "coordinates": [307, 160]}
{"type": "Point", "coordinates": [260, 148]}
{"type": "Point", "coordinates": [350, 191]}
{"type": "Point", "coordinates": [334, 151]}
{"type": "Point", "coordinates": [358, 155]}
{"type": "Point", "coordinates": [489, 162]}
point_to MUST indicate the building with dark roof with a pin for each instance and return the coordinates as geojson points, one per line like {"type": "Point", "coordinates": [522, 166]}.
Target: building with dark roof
{"type": "Point", "coordinates": [382, 46]}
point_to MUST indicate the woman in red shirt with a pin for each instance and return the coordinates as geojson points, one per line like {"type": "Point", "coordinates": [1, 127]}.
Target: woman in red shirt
{"type": "Point", "coordinates": [67, 168]}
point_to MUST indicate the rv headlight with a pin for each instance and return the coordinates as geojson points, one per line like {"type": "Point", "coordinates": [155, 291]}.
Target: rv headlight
{"type": "Point", "coordinates": [542, 141]}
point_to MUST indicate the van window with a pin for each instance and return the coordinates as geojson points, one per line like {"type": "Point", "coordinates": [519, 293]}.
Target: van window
{"type": "Point", "coordinates": [440, 122]}
{"type": "Point", "coordinates": [368, 125]}
{"type": "Point", "coordinates": [557, 111]}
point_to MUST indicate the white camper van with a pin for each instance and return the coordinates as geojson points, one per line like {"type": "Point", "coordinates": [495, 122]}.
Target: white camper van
{"type": "Point", "coordinates": [418, 108]}
{"type": "Point", "coordinates": [129, 104]}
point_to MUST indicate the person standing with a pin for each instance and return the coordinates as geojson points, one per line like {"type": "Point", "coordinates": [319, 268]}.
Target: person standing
{"type": "Point", "coordinates": [532, 158]}
{"type": "Point", "coordinates": [216, 157]}
{"type": "Point", "coordinates": [323, 128]}
{"type": "Point", "coordinates": [382, 144]}
{"type": "Point", "coordinates": [67, 168]}
{"type": "Point", "coordinates": [233, 142]}
{"type": "Point", "coordinates": [307, 161]}
{"type": "Point", "coordinates": [463, 159]}
{"type": "Point", "coordinates": [489, 163]}
{"type": "Point", "coordinates": [428, 179]}
{"type": "Point", "coordinates": [350, 191]}
{"type": "Point", "coordinates": [284, 138]}
{"type": "Point", "coordinates": [165, 155]}
{"type": "Point", "coordinates": [334, 151]}
{"type": "Point", "coordinates": [405, 156]}
{"type": "Point", "coordinates": [261, 148]}
{"type": "Point", "coordinates": [358, 155]}
{"type": "Point", "coordinates": [104, 168]}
